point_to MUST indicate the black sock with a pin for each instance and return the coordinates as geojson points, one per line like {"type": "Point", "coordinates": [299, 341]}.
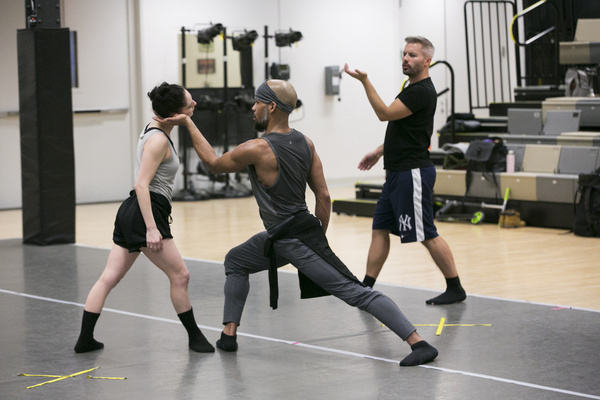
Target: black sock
{"type": "Point", "coordinates": [453, 283]}
{"type": "Point", "coordinates": [369, 281]}
{"type": "Point", "coordinates": [453, 294]}
{"type": "Point", "coordinates": [197, 341]}
{"type": "Point", "coordinates": [86, 341]}
{"type": "Point", "coordinates": [227, 342]}
{"type": "Point", "coordinates": [422, 352]}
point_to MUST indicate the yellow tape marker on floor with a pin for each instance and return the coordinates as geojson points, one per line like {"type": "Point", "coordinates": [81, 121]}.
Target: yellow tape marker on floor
{"type": "Point", "coordinates": [442, 324]}
{"type": "Point", "coordinates": [60, 378]}
{"type": "Point", "coordinates": [440, 327]}
{"type": "Point", "coordinates": [104, 377]}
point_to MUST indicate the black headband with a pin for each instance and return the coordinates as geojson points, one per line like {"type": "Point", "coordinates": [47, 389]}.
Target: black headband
{"type": "Point", "coordinates": [265, 94]}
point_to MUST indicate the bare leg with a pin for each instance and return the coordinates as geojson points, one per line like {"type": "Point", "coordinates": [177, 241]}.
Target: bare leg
{"type": "Point", "coordinates": [442, 256]}
{"type": "Point", "coordinates": [169, 261]}
{"type": "Point", "coordinates": [119, 262]}
{"type": "Point", "coordinates": [413, 338]}
{"type": "Point", "coordinates": [230, 328]}
{"type": "Point", "coordinates": [378, 254]}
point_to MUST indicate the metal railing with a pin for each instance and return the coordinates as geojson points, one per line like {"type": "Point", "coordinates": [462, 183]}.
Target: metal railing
{"type": "Point", "coordinates": [535, 38]}
{"type": "Point", "coordinates": [493, 62]}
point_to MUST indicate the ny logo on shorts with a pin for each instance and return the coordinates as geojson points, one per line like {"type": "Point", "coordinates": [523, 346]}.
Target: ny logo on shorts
{"type": "Point", "coordinates": [404, 223]}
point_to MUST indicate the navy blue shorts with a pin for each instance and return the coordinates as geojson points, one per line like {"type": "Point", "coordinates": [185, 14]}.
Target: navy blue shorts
{"type": "Point", "coordinates": [130, 228]}
{"type": "Point", "coordinates": [405, 206]}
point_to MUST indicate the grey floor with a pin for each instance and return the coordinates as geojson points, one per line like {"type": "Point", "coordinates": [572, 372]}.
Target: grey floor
{"type": "Point", "coordinates": [306, 349]}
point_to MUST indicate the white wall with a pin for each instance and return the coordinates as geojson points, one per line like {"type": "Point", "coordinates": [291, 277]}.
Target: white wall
{"type": "Point", "coordinates": [367, 35]}
{"type": "Point", "coordinates": [12, 18]}
{"type": "Point", "coordinates": [334, 32]}
{"type": "Point", "coordinates": [102, 142]}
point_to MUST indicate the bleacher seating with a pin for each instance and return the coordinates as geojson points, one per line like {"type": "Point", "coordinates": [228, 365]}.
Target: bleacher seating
{"type": "Point", "coordinates": [546, 175]}
{"type": "Point", "coordinates": [542, 188]}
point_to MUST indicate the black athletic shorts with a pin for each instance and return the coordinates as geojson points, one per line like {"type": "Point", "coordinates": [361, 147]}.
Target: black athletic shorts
{"type": "Point", "coordinates": [130, 228]}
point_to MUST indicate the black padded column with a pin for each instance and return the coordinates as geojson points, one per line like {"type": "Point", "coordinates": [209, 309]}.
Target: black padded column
{"type": "Point", "coordinates": [46, 124]}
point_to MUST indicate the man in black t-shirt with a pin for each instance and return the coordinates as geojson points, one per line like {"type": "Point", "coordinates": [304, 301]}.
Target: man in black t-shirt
{"type": "Point", "coordinates": [405, 206]}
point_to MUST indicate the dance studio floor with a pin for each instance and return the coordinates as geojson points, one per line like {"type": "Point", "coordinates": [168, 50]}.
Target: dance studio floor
{"type": "Point", "coordinates": [306, 349]}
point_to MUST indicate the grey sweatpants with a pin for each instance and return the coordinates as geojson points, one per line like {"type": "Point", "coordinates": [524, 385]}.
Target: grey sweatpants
{"type": "Point", "coordinates": [248, 258]}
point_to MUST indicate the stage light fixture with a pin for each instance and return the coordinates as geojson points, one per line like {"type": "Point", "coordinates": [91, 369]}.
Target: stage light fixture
{"type": "Point", "coordinates": [207, 35]}
{"type": "Point", "coordinates": [287, 38]}
{"type": "Point", "coordinates": [244, 41]}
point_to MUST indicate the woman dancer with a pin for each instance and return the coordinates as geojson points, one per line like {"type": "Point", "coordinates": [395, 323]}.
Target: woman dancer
{"type": "Point", "coordinates": [142, 223]}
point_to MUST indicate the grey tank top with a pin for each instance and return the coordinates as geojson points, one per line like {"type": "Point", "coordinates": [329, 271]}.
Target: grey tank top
{"type": "Point", "coordinates": [287, 195]}
{"type": "Point", "coordinates": [164, 178]}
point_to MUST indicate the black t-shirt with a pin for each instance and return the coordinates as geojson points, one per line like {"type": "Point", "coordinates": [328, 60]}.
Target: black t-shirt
{"type": "Point", "coordinates": [407, 140]}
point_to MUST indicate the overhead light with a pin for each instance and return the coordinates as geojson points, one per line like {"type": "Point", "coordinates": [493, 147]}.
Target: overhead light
{"type": "Point", "coordinates": [244, 40]}
{"type": "Point", "coordinates": [207, 35]}
{"type": "Point", "coordinates": [287, 38]}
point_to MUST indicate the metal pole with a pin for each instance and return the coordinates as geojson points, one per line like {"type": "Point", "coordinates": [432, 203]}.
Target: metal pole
{"type": "Point", "coordinates": [468, 56]}
{"type": "Point", "coordinates": [266, 53]}
{"type": "Point", "coordinates": [225, 105]}
{"type": "Point", "coordinates": [183, 59]}
{"type": "Point", "coordinates": [183, 83]}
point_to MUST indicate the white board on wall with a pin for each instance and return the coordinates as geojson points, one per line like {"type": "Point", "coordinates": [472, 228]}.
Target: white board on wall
{"type": "Point", "coordinates": [204, 63]}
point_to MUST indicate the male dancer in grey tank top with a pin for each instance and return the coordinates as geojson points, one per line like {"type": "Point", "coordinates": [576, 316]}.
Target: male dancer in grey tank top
{"type": "Point", "coordinates": [281, 164]}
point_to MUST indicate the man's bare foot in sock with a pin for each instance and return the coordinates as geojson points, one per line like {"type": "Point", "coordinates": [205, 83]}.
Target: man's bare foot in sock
{"type": "Point", "coordinates": [450, 296]}
{"type": "Point", "coordinates": [422, 352]}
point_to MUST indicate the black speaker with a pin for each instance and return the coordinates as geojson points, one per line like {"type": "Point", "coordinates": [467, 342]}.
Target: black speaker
{"type": "Point", "coordinates": [43, 14]}
{"type": "Point", "coordinates": [46, 126]}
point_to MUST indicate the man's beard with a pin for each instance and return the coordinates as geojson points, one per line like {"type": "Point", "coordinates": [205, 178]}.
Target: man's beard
{"type": "Point", "coordinates": [412, 71]}
{"type": "Point", "coordinates": [261, 126]}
